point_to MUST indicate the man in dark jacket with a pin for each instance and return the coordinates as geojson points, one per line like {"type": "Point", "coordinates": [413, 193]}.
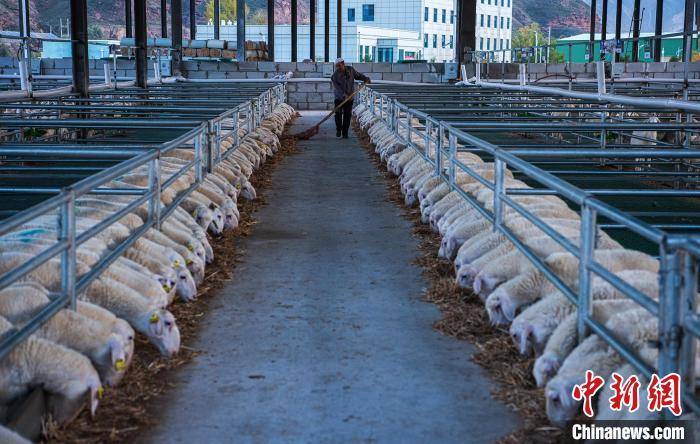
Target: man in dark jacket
{"type": "Point", "coordinates": [343, 80]}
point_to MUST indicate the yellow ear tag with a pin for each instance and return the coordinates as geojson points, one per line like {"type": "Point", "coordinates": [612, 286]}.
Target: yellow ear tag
{"type": "Point", "coordinates": [167, 288]}
{"type": "Point", "coordinates": [194, 213]}
{"type": "Point", "coordinates": [154, 318]}
{"type": "Point", "coordinates": [238, 186]}
{"type": "Point", "coordinates": [100, 392]}
{"type": "Point", "coordinates": [190, 247]}
{"type": "Point", "coordinates": [120, 365]}
{"type": "Point", "coordinates": [188, 261]}
{"type": "Point", "coordinates": [176, 263]}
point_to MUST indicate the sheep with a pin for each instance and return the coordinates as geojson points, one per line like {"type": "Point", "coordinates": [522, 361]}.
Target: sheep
{"type": "Point", "coordinates": [634, 328]}
{"type": "Point", "coordinates": [185, 286]}
{"type": "Point", "coordinates": [106, 349]}
{"type": "Point", "coordinates": [533, 327]}
{"type": "Point", "coordinates": [36, 362]}
{"type": "Point", "coordinates": [532, 283]}
{"type": "Point", "coordinates": [8, 436]}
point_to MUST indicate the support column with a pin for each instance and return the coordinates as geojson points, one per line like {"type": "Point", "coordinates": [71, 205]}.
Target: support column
{"type": "Point", "coordinates": [271, 30]}
{"type": "Point", "coordinates": [217, 20]}
{"type": "Point", "coordinates": [140, 32]}
{"type": "Point", "coordinates": [164, 18]}
{"type": "Point", "coordinates": [688, 29]}
{"type": "Point", "coordinates": [604, 29]}
{"type": "Point", "coordinates": [240, 30]}
{"type": "Point", "coordinates": [79, 47]}
{"type": "Point", "coordinates": [128, 15]}
{"type": "Point", "coordinates": [465, 31]}
{"type": "Point", "coordinates": [25, 28]}
{"type": "Point", "coordinates": [591, 40]}
{"type": "Point", "coordinates": [312, 30]}
{"type": "Point", "coordinates": [193, 19]}
{"type": "Point", "coordinates": [176, 33]}
{"type": "Point", "coordinates": [635, 31]}
{"type": "Point", "coordinates": [658, 29]}
{"type": "Point", "coordinates": [326, 30]}
{"type": "Point", "coordinates": [294, 30]}
{"type": "Point", "coordinates": [618, 25]}
{"type": "Point", "coordinates": [339, 24]}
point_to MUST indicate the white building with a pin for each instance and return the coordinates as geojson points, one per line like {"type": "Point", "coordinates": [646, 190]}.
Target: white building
{"type": "Point", "coordinates": [494, 26]}
{"type": "Point", "coordinates": [373, 30]}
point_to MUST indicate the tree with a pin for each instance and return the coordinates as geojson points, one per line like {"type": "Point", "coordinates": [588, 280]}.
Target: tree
{"type": "Point", "coordinates": [258, 17]}
{"type": "Point", "coordinates": [525, 38]}
{"type": "Point", "coordinates": [227, 10]}
{"type": "Point", "coordinates": [94, 32]}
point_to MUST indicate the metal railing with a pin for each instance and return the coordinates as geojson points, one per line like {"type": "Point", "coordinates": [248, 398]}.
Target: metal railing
{"type": "Point", "coordinates": [679, 255]}
{"type": "Point", "coordinates": [205, 139]}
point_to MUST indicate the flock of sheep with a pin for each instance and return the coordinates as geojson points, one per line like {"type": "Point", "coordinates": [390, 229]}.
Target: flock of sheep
{"type": "Point", "coordinates": [542, 320]}
{"type": "Point", "coordinates": [75, 353]}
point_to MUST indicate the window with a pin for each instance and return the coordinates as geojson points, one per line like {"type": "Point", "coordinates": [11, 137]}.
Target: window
{"type": "Point", "coordinates": [351, 14]}
{"type": "Point", "coordinates": [508, 23]}
{"type": "Point", "coordinates": [482, 20]}
{"type": "Point", "coordinates": [482, 2]}
{"type": "Point", "coordinates": [426, 14]}
{"type": "Point", "coordinates": [400, 54]}
{"type": "Point", "coordinates": [452, 17]}
{"type": "Point", "coordinates": [489, 2]}
{"type": "Point", "coordinates": [503, 2]}
{"type": "Point", "coordinates": [435, 15]}
{"type": "Point", "coordinates": [488, 44]}
{"type": "Point", "coordinates": [425, 40]}
{"type": "Point", "coordinates": [481, 43]}
{"type": "Point", "coordinates": [444, 16]}
{"type": "Point", "coordinates": [443, 40]}
{"type": "Point", "coordinates": [488, 21]}
{"type": "Point", "coordinates": [434, 40]}
{"type": "Point", "coordinates": [452, 41]}
{"type": "Point", "coordinates": [502, 47]}
{"type": "Point", "coordinates": [501, 22]}
{"type": "Point", "coordinates": [495, 22]}
{"type": "Point", "coordinates": [360, 52]}
{"type": "Point", "coordinates": [374, 53]}
{"type": "Point", "coordinates": [367, 13]}
{"type": "Point", "coordinates": [509, 3]}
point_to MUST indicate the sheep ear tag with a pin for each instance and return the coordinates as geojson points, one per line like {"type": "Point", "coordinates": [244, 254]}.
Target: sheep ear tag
{"type": "Point", "coordinates": [188, 261]}
{"type": "Point", "coordinates": [176, 263]}
{"type": "Point", "coordinates": [190, 247]}
{"type": "Point", "coordinates": [120, 365]}
{"type": "Point", "coordinates": [194, 213]}
{"type": "Point", "coordinates": [154, 318]}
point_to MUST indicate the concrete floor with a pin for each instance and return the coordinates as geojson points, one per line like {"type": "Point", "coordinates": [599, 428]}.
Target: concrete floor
{"type": "Point", "coordinates": [322, 335]}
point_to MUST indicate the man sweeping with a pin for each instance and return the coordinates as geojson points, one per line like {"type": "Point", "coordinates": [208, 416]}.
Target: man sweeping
{"type": "Point", "coordinates": [343, 80]}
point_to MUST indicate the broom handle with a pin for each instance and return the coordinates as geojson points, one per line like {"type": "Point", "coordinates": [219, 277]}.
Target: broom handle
{"type": "Point", "coordinates": [340, 105]}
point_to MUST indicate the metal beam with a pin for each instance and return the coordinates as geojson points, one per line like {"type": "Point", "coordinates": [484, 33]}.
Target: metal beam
{"type": "Point", "coordinates": [140, 32]}
{"type": "Point", "coordinates": [635, 30]}
{"type": "Point", "coordinates": [294, 6]}
{"type": "Point", "coordinates": [466, 30]}
{"type": "Point", "coordinates": [217, 20]}
{"type": "Point", "coordinates": [193, 19]}
{"type": "Point", "coordinates": [339, 24]}
{"type": "Point", "coordinates": [79, 47]}
{"type": "Point", "coordinates": [164, 18]}
{"type": "Point", "coordinates": [25, 27]}
{"type": "Point", "coordinates": [658, 29]}
{"type": "Point", "coordinates": [604, 29]}
{"type": "Point", "coordinates": [271, 30]}
{"type": "Point", "coordinates": [176, 33]}
{"type": "Point", "coordinates": [591, 40]}
{"type": "Point", "coordinates": [688, 29]}
{"type": "Point", "coordinates": [240, 30]}
{"type": "Point", "coordinates": [312, 30]}
{"type": "Point", "coordinates": [326, 30]}
{"type": "Point", "coordinates": [128, 15]}
{"type": "Point", "coordinates": [618, 25]}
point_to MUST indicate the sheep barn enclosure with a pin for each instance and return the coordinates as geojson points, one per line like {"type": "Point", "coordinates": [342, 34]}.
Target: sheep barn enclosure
{"type": "Point", "coordinates": [555, 228]}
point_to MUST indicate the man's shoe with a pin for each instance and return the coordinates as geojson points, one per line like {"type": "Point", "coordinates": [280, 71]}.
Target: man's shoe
{"type": "Point", "coordinates": [345, 135]}
{"type": "Point", "coordinates": [337, 133]}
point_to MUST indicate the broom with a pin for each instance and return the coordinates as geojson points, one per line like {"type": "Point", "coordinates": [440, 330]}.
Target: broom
{"type": "Point", "coordinates": [309, 133]}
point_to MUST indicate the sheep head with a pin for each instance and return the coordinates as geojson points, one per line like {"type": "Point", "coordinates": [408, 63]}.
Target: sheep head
{"type": "Point", "coordinates": [203, 216]}
{"type": "Point", "coordinates": [546, 367]}
{"type": "Point", "coordinates": [560, 404]}
{"type": "Point", "coordinates": [494, 308]}
{"type": "Point", "coordinates": [163, 332]}
{"type": "Point", "coordinates": [485, 284]}
{"type": "Point", "coordinates": [186, 287]}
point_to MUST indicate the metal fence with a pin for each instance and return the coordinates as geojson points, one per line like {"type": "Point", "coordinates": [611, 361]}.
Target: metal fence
{"type": "Point", "coordinates": [205, 139]}
{"type": "Point", "coordinates": [679, 255]}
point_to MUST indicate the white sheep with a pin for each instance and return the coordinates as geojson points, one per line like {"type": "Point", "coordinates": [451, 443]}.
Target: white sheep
{"type": "Point", "coordinates": [36, 362]}
{"type": "Point", "coordinates": [8, 436]}
{"type": "Point", "coordinates": [106, 350]}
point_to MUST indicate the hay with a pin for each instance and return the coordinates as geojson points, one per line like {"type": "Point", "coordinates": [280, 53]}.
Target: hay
{"type": "Point", "coordinates": [126, 411]}
{"type": "Point", "coordinates": [464, 318]}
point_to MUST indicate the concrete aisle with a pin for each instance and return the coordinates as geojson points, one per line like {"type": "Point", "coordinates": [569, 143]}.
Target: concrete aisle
{"type": "Point", "coordinates": [322, 335]}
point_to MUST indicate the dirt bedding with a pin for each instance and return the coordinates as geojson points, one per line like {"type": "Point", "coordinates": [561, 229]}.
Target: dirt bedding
{"type": "Point", "coordinates": [125, 411]}
{"type": "Point", "coordinates": [464, 317]}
